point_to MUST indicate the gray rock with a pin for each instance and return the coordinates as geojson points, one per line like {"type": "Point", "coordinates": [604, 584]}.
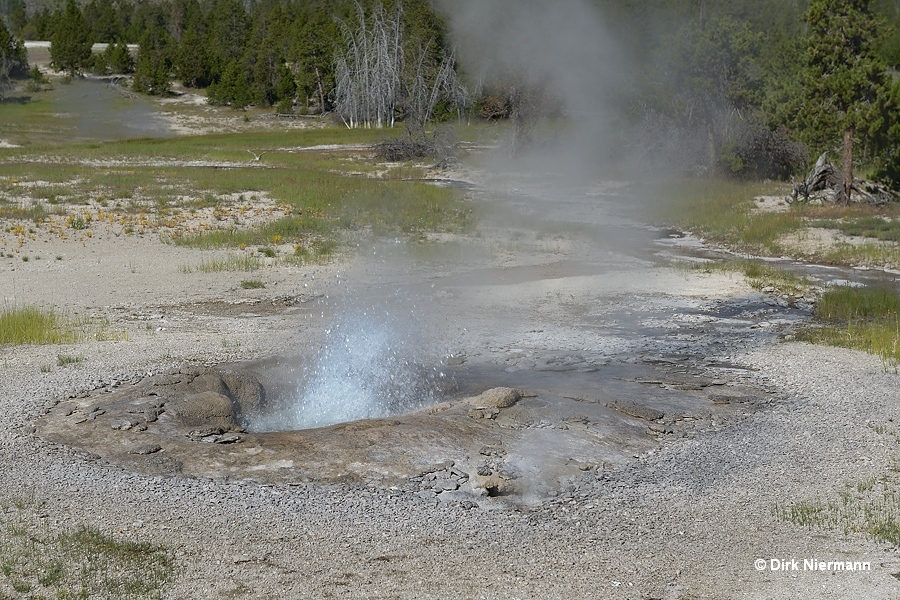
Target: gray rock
{"type": "Point", "coordinates": [203, 409]}
{"type": "Point", "coordinates": [501, 397]}
{"type": "Point", "coordinates": [637, 410]}
{"type": "Point", "coordinates": [446, 485]}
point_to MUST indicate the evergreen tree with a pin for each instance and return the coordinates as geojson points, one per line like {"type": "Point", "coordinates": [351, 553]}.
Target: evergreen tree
{"type": "Point", "coordinates": [228, 25]}
{"type": "Point", "coordinates": [844, 81]}
{"type": "Point", "coordinates": [192, 59]}
{"type": "Point", "coordinates": [703, 82]}
{"type": "Point", "coordinates": [314, 38]}
{"type": "Point", "coordinates": [233, 88]}
{"type": "Point", "coordinates": [13, 59]}
{"type": "Point", "coordinates": [18, 17]}
{"type": "Point", "coordinates": [119, 58]}
{"type": "Point", "coordinates": [193, 64]}
{"type": "Point", "coordinates": [40, 26]}
{"type": "Point", "coordinates": [70, 44]}
{"type": "Point", "coordinates": [102, 18]}
{"type": "Point", "coordinates": [151, 72]}
{"type": "Point", "coordinates": [153, 66]}
{"type": "Point", "coordinates": [285, 88]}
{"type": "Point", "coordinates": [889, 44]}
{"type": "Point", "coordinates": [266, 49]}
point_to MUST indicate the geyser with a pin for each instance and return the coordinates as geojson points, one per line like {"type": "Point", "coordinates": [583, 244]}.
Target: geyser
{"type": "Point", "coordinates": [370, 365]}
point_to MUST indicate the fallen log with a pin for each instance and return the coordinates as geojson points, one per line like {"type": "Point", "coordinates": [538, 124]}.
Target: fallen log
{"type": "Point", "coordinates": [825, 183]}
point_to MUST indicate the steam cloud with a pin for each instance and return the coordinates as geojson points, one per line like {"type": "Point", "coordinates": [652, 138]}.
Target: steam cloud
{"type": "Point", "coordinates": [564, 45]}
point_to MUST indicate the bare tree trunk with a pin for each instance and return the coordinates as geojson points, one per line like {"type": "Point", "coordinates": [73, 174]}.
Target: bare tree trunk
{"type": "Point", "coordinates": [848, 165]}
{"type": "Point", "coordinates": [321, 91]}
{"type": "Point", "coordinates": [713, 154]}
{"type": "Point", "coordinates": [5, 67]}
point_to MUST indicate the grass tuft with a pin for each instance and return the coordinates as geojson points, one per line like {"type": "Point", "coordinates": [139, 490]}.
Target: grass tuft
{"type": "Point", "coordinates": [33, 325]}
{"type": "Point", "coordinates": [65, 359]}
{"type": "Point", "coordinates": [234, 262]}
{"type": "Point", "coordinates": [76, 563]}
{"type": "Point", "coordinates": [870, 226]}
{"type": "Point", "coordinates": [870, 507]}
{"type": "Point", "coordinates": [761, 275]}
{"type": "Point", "coordinates": [865, 319]}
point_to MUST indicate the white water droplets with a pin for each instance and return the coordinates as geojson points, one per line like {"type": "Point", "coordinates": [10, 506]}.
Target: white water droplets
{"type": "Point", "coordinates": [366, 368]}
{"type": "Point", "coordinates": [369, 366]}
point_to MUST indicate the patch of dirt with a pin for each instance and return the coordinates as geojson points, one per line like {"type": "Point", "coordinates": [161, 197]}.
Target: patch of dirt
{"type": "Point", "coordinates": [771, 204]}
{"type": "Point", "coordinates": [817, 241]}
{"type": "Point", "coordinates": [811, 241]}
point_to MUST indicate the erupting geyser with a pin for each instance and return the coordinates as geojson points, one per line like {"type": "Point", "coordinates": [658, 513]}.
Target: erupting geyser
{"type": "Point", "coordinates": [369, 366]}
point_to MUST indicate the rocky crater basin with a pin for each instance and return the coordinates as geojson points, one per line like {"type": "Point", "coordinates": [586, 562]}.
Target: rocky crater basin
{"type": "Point", "coordinates": [524, 435]}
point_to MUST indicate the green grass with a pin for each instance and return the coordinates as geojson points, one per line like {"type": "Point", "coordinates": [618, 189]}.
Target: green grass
{"type": "Point", "coordinates": [761, 275]}
{"type": "Point", "coordinates": [873, 254]}
{"type": "Point", "coordinates": [871, 226]}
{"type": "Point", "coordinates": [852, 303]}
{"type": "Point", "coordinates": [79, 562]}
{"type": "Point", "coordinates": [858, 222]}
{"type": "Point", "coordinates": [721, 211]}
{"type": "Point", "coordinates": [316, 200]}
{"type": "Point", "coordinates": [33, 325]}
{"type": "Point", "coordinates": [322, 204]}
{"type": "Point", "coordinates": [32, 212]}
{"type": "Point", "coordinates": [252, 284]}
{"type": "Point", "coordinates": [865, 319]}
{"type": "Point", "coordinates": [66, 359]}
{"type": "Point", "coordinates": [234, 262]}
{"type": "Point", "coordinates": [870, 507]}
{"type": "Point", "coordinates": [321, 196]}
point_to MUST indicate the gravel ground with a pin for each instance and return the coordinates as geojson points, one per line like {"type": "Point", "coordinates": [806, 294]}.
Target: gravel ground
{"type": "Point", "coordinates": [686, 520]}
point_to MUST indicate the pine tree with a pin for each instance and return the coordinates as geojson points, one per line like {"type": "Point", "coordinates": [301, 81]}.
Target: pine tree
{"type": "Point", "coordinates": [104, 24]}
{"type": "Point", "coordinates": [313, 56]}
{"type": "Point", "coordinates": [153, 65]}
{"type": "Point", "coordinates": [119, 58]}
{"type": "Point", "coordinates": [228, 26]}
{"type": "Point", "coordinates": [843, 79]}
{"type": "Point", "coordinates": [193, 63]}
{"type": "Point", "coordinates": [13, 59]}
{"type": "Point", "coordinates": [70, 44]}
{"type": "Point", "coordinates": [18, 17]}
{"type": "Point", "coordinates": [233, 88]}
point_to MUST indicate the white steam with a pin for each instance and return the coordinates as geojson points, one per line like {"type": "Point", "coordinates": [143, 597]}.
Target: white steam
{"type": "Point", "coordinates": [564, 43]}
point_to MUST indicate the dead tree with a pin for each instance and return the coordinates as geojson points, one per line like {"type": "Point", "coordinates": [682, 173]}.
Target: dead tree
{"type": "Point", "coordinates": [424, 93]}
{"type": "Point", "coordinates": [528, 102]}
{"type": "Point", "coordinates": [5, 82]}
{"type": "Point", "coordinates": [823, 177]}
{"type": "Point", "coordinates": [367, 72]}
{"type": "Point", "coordinates": [825, 183]}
